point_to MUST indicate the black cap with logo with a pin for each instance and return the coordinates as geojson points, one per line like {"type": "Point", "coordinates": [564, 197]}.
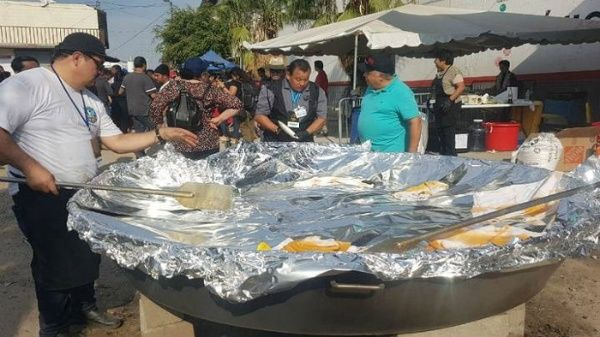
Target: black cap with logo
{"type": "Point", "coordinates": [85, 43]}
{"type": "Point", "coordinates": [381, 63]}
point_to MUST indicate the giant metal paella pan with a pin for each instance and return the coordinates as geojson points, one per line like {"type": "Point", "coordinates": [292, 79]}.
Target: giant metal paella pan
{"type": "Point", "coordinates": [310, 245]}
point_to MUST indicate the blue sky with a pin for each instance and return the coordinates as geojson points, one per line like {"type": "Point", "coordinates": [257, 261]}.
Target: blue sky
{"type": "Point", "coordinates": [131, 25]}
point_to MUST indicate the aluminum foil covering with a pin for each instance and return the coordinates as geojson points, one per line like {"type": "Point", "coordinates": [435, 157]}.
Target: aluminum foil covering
{"type": "Point", "coordinates": [277, 200]}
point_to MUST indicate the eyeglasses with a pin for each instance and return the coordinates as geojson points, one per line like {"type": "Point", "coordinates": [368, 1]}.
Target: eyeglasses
{"type": "Point", "coordinates": [99, 63]}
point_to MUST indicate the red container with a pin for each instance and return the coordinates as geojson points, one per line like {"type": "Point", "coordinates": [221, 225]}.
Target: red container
{"type": "Point", "coordinates": [502, 136]}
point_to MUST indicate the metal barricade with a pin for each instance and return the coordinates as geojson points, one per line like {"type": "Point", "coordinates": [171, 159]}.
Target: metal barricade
{"type": "Point", "coordinates": [346, 104]}
{"type": "Point", "coordinates": [344, 109]}
{"type": "Point", "coordinates": [422, 98]}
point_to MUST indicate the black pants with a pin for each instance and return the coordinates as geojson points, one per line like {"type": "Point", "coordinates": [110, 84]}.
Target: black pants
{"type": "Point", "coordinates": [447, 141]}
{"type": "Point", "coordinates": [446, 114]}
{"type": "Point", "coordinates": [63, 266]}
{"type": "Point", "coordinates": [60, 309]}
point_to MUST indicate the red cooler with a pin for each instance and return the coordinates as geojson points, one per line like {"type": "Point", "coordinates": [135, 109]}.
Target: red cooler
{"type": "Point", "coordinates": [502, 136]}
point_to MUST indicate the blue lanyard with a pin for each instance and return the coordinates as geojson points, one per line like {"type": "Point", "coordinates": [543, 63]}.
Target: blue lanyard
{"type": "Point", "coordinates": [83, 115]}
{"type": "Point", "coordinates": [295, 97]}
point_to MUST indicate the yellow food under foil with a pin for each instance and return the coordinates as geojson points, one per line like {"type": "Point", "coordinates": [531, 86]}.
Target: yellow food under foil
{"type": "Point", "coordinates": [464, 238]}
{"type": "Point", "coordinates": [316, 244]}
{"type": "Point", "coordinates": [422, 191]}
{"type": "Point", "coordinates": [263, 246]}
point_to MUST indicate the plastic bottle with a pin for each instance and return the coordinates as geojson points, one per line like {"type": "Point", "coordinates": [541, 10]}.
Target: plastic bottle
{"type": "Point", "coordinates": [476, 140]}
{"type": "Point", "coordinates": [521, 138]}
{"type": "Point", "coordinates": [510, 95]}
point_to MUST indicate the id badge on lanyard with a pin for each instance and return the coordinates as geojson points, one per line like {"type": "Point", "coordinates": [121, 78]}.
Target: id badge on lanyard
{"type": "Point", "coordinates": [299, 111]}
{"type": "Point", "coordinates": [95, 140]}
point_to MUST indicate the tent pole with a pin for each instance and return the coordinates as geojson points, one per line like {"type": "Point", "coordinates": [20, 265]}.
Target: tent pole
{"type": "Point", "coordinates": [355, 61]}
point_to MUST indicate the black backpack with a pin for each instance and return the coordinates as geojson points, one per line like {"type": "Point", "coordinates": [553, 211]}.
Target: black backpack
{"type": "Point", "coordinates": [185, 112]}
{"type": "Point", "coordinates": [249, 97]}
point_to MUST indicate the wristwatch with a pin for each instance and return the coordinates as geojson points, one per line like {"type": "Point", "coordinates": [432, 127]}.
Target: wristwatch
{"type": "Point", "coordinates": [160, 139]}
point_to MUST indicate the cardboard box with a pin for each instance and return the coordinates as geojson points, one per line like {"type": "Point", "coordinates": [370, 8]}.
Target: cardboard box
{"type": "Point", "coordinates": [578, 144]}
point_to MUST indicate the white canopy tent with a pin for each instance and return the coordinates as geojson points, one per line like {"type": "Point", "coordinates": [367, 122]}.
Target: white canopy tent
{"type": "Point", "coordinates": [417, 31]}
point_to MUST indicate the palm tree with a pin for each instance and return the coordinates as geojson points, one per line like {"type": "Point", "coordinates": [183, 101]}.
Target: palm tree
{"type": "Point", "coordinates": [270, 17]}
{"type": "Point", "coordinates": [251, 21]}
{"type": "Point", "coordinates": [311, 12]}
{"type": "Point", "coordinates": [238, 14]}
{"type": "Point", "coordinates": [259, 20]}
{"type": "Point", "coordinates": [322, 12]}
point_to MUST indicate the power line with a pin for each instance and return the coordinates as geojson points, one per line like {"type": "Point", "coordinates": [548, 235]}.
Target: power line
{"type": "Point", "coordinates": [138, 33]}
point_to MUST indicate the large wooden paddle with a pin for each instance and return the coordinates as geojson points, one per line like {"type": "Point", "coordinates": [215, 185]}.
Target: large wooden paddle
{"type": "Point", "coordinates": [191, 195]}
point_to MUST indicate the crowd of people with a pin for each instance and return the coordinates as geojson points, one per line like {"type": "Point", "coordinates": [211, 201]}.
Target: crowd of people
{"type": "Point", "coordinates": [278, 103]}
{"type": "Point", "coordinates": [226, 105]}
{"type": "Point", "coordinates": [19, 64]}
{"type": "Point", "coordinates": [278, 94]}
{"type": "Point", "coordinates": [53, 121]}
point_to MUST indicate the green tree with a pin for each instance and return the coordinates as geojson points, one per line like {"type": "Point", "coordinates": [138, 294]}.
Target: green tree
{"type": "Point", "coordinates": [322, 12]}
{"type": "Point", "coordinates": [239, 17]}
{"type": "Point", "coordinates": [192, 32]}
{"type": "Point", "coordinates": [251, 21]}
{"type": "Point", "coordinates": [270, 16]}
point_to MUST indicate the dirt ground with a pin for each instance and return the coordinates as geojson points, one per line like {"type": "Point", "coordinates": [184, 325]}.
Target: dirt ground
{"type": "Point", "coordinates": [569, 306]}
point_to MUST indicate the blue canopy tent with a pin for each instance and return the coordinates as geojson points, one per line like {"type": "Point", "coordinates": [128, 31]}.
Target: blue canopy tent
{"type": "Point", "coordinates": [217, 62]}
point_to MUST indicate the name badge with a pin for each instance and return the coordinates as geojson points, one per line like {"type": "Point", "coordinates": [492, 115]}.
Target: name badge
{"type": "Point", "coordinates": [294, 125]}
{"type": "Point", "coordinates": [96, 147]}
{"type": "Point", "coordinates": [300, 112]}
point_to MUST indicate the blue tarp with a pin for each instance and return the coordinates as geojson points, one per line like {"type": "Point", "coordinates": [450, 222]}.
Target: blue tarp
{"type": "Point", "coordinates": [217, 62]}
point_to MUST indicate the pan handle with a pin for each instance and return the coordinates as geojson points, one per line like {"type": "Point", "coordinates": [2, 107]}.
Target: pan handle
{"type": "Point", "coordinates": [362, 288]}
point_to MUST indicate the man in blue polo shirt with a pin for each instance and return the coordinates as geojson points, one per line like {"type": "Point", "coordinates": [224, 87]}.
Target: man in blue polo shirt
{"type": "Point", "coordinates": [389, 116]}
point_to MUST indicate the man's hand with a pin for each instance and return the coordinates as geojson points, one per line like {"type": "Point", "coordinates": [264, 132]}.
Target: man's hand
{"type": "Point", "coordinates": [446, 106]}
{"type": "Point", "coordinates": [178, 135]}
{"type": "Point", "coordinates": [215, 122]}
{"type": "Point", "coordinates": [40, 179]}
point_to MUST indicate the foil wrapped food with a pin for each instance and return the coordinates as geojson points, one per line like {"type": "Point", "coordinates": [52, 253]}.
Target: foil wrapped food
{"type": "Point", "coordinates": [336, 194]}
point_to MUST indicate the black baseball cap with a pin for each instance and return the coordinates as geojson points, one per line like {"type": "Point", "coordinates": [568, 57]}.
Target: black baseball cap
{"type": "Point", "coordinates": [381, 63]}
{"type": "Point", "coordinates": [85, 43]}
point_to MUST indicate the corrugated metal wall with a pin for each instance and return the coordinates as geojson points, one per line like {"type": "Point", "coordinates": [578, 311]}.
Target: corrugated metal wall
{"type": "Point", "coordinates": [37, 37]}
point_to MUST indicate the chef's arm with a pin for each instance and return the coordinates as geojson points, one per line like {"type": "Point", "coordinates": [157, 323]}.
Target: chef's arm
{"type": "Point", "coordinates": [414, 126]}
{"type": "Point", "coordinates": [318, 123]}
{"type": "Point", "coordinates": [459, 88]}
{"type": "Point", "coordinates": [263, 109]}
{"type": "Point", "coordinates": [38, 177]}
{"type": "Point", "coordinates": [316, 126]}
{"type": "Point", "coordinates": [132, 142]}
{"type": "Point", "coordinates": [265, 123]}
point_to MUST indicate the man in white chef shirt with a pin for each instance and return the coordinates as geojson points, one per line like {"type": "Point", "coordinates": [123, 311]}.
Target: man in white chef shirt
{"type": "Point", "coordinates": [48, 120]}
